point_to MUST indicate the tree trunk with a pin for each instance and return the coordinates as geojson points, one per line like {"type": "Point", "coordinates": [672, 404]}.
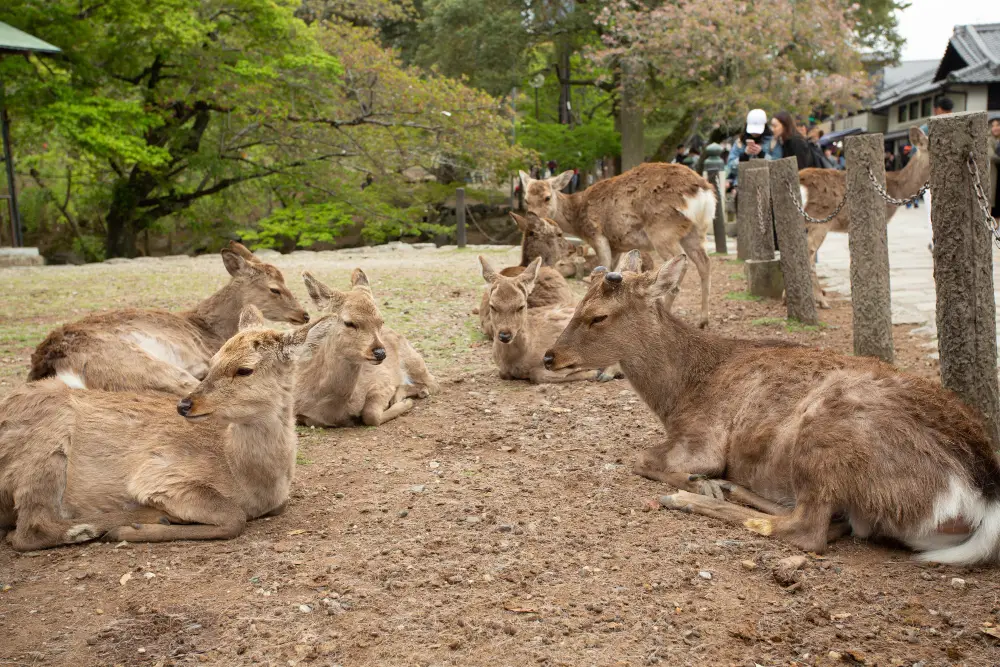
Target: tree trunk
{"type": "Point", "coordinates": [124, 220]}
{"type": "Point", "coordinates": [565, 113]}
{"type": "Point", "coordinates": [633, 145]}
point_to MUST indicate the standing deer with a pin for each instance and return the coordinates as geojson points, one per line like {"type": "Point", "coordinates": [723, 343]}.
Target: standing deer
{"type": "Point", "coordinates": [364, 371]}
{"type": "Point", "coordinates": [522, 333]}
{"type": "Point", "coordinates": [802, 435]}
{"type": "Point", "coordinates": [156, 350]}
{"type": "Point", "coordinates": [79, 465]}
{"type": "Point", "coordinates": [823, 189]}
{"type": "Point", "coordinates": [659, 207]}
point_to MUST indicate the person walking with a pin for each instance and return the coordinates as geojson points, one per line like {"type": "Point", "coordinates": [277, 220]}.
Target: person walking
{"type": "Point", "coordinates": [680, 154]}
{"type": "Point", "coordinates": [792, 143]}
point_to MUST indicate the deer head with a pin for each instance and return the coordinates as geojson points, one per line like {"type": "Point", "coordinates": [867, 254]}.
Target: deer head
{"type": "Point", "coordinates": [618, 304]}
{"type": "Point", "coordinates": [262, 285]}
{"type": "Point", "coordinates": [252, 371]}
{"type": "Point", "coordinates": [542, 238]}
{"type": "Point", "coordinates": [923, 157]}
{"type": "Point", "coordinates": [509, 298]}
{"type": "Point", "coordinates": [540, 196]}
{"type": "Point", "coordinates": [358, 333]}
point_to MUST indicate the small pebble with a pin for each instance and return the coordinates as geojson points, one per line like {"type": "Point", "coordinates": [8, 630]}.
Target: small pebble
{"type": "Point", "coordinates": [305, 609]}
{"type": "Point", "coordinates": [958, 583]}
{"type": "Point", "coordinates": [403, 513]}
{"type": "Point", "coordinates": [748, 564]}
{"type": "Point", "coordinates": [705, 574]}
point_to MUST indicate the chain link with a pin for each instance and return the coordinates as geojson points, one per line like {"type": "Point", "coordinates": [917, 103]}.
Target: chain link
{"type": "Point", "coordinates": [809, 218]}
{"type": "Point", "coordinates": [982, 199]}
{"type": "Point", "coordinates": [892, 200]}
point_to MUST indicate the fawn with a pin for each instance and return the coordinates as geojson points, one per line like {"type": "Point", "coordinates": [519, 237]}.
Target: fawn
{"type": "Point", "coordinates": [654, 206]}
{"type": "Point", "coordinates": [803, 435]}
{"type": "Point", "coordinates": [156, 350]}
{"type": "Point", "coordinates": [79, 465]}
{"type": "Point", "coordinates": [522, 333]}
{"type": "Point", "coordinates": [364, 371]}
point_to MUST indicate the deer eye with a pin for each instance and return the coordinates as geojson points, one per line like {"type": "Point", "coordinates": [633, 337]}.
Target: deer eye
{"type": "Point", "coordinates": [350, 325]}
{"type": "Point", "coordinates": [548, 197]}
{"type": "Point", "coordinates": [244, 371]}
{"type": "Point", "coordinates": [275, 290]}
{"type": "Point", "coordinates": [598, 319]}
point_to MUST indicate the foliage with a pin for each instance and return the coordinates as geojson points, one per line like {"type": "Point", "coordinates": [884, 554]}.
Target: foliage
{"type": "Point", "coordinates": [571, 147]}
{"type": "Point", "coordinates": [876, 27]}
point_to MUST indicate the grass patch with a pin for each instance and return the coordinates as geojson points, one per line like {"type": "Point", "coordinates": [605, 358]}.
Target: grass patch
{"type": "Point", "coordinates": [736, 261]}
{"type": "Point", "coordinates": [743, 296]}
{"type": "Point", "coordinates": [736, 276]}
{"type": "Point", "coordinates": [301, 460]}
{"type": "Point", "coordinates": [791, 326]}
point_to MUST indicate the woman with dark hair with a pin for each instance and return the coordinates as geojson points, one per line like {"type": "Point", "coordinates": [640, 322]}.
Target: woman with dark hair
{"type": "Point", "coordinates": [793, 144]}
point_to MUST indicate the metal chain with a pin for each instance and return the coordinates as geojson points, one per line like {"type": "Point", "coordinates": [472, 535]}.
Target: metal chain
{"type": "Point", "coordinates": [892, 200]}
{"type": "Point", "coordinates": [982, 199]}
{"type": "Point", "coordinates": [809, 218]}
{"type": "Point", "coordinates": [760, 211]}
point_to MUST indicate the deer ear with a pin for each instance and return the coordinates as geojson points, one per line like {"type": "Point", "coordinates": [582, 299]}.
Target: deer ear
{"type": "Point", "coordinates": [522, 224]}
{"type": "Point", "coordinates": [322, 296]}
{"type": "Point", "coordinates": [489, 273]}
{"type": "Point", "coordinates": [669, 277]}
{"type": "Point", "coordinates": [306, 338]}
{"type": "Point", "coordinates": [242, 251]}
{"type": "Point", "coordinates": [630, 261]}
{"type": "Point", "coordinates": [561, 181]}
{"type": "Point", "coordinates": [359, 279]}
{"type": "Point", "coordinates": [250, 318]}
{"type": "Point", "coordinates": [235, 263]}
{"type": "Point", "coordinates": [525, 178]}
{"type": "Point", "coordinates": [530, 274]}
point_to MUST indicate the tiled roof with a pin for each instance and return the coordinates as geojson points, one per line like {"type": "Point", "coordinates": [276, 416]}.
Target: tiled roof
{"type": "Point", "coordinates": [978, 51]}
{"type": "Point", "coordinates": [909, 78]}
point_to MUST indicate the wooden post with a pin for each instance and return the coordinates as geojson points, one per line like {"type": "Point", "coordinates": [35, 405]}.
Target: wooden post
{"type": "Point", "coordinates": [460, 217]}
{"type": "Point", "coordinates": [746, 207]}
{"type": "Point", "coordinates": [870, 296]}
{"type": "Point", "coordinates": [763, 271]}
{"type": "Point", "coordinates": [714, 165]}
{"type": "Point", "coordinates": [963, 265]}
{"type": "Point", "coordinates": [791, 228]}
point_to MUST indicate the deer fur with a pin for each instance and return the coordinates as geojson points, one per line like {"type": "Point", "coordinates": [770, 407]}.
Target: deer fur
{"type": "Point", "coordinates": [156, 350]}
{"type": "Point", "coordinates": [522, 334]}
{"type": "Point", "coordinates": [79, 465]}
{"type": "Point", "coordinates": [803, 435]}
{"type": "Point", "coordinates": [823, 189]}
{"type": "Point", "coordinates": [542, 239]}
{"type": "Point", "coordinates": [364, 371]}
{"type": "Point", "coordinates": [659, 207]}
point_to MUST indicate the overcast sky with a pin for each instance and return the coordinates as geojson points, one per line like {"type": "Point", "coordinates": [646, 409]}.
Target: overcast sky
{"type": "Point", "coordinates": [927, 24]}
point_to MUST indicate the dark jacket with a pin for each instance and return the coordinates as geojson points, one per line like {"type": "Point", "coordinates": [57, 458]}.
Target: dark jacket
{"type": "Point", "coordinates": [796, 146]}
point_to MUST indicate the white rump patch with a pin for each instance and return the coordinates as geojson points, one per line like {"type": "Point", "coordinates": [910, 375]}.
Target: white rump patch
{"type": "Point", "coordinates": [71, 379]}
{"type": "Point", "coordinates": [700, 209]}
{"type": "Point", "coordinates": [804, 193]}
{"type": "Point", "coordinates": [960, 501]}
{"type": "Point", "coordinates": [156, 348]}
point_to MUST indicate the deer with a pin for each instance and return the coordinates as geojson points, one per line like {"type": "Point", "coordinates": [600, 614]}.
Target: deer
{"type": "Point", "coordinates": [364, 372]}
{"type": "Point", "coordinates": [156, 350]}
{"type": "Point", "coordinates": [543, 239]}
{"type": "Point", "coordinates": [523, 333]}
{"type": "Point", "coordinates": [78, 465]}
{"type": "Point", "coordinates": [784, 440]}
{"type": "Point", "coordinates": [666, 208]}
{"type": "Point", "coordinates": [823, 189]}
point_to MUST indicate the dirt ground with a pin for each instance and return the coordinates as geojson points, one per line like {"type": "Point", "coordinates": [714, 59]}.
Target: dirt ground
{"type": "Point", "coordinates": [496, 524]}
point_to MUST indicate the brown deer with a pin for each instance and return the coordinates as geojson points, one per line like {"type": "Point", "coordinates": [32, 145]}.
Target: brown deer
{"type": "Point", "coordinates": [364, 371]}
{"type": "Point", "coordinates": [539, 239]}
{"type": "Point", "coordinates": [659, 207]}
{"type": "Point", "coordinates": [803, 435]}
{"type": "Point", "coordinates": [79, 465]}
{"type": "Point", "coordinates": [522, 333]}
{"type": "Point", "coordinates": [156, 350]}
{"type": "Point", "coordinates": [823, 189]}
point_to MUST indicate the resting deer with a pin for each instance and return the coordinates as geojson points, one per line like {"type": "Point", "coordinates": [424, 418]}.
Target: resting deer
{"type": "Point", "coordinates": [79, 465]}
{"type": "Point", "coordinates": [364, 371]}
{"type": "Point", "coordinates": [659, 207]}
{"type": "Point", "coordinates": [522, 333]}
{"type": "Point", "coordinates": [823, 189]}
{"type": "Point", "coordinates": [803, 435]}
{"type": "Point", "coordinates": [539, 239]}
{"type": "Point", "coordinates": [156, 350]}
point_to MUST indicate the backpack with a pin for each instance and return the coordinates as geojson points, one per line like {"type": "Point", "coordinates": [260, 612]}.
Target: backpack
{"type": "Point", "coordinates": [817, 159]}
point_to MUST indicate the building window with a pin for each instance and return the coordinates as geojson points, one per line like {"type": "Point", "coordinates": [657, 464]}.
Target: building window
{"type": "Point", "coordinates": [925, 107]}
{"type": "Point", "coordinates": [914, 110]}
{"type": "Point", "coordinates": [902, 113]}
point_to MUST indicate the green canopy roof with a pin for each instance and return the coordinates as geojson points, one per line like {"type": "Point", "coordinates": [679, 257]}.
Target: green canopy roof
{"type": "Point", "coordinates": [12, 39]}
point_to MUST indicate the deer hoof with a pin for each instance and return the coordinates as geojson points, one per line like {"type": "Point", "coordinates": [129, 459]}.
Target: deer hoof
{"type": "Point", "coordinates": [674, 503]}
{"type": "Point", "coordinates": [760, 526]}
{"type": "Point", "coordinates": [82, 532]}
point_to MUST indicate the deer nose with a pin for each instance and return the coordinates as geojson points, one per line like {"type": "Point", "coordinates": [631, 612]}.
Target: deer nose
{"type": "Point", "coordinates": [305, 317]}
{"type": "Point", "coordinates": [549, 359]}
{"type": "Point", "coordinates": [505, 336]}
{"type": "Point", "coordinates": [184, 407]}
{"type": "Point", "coordinates": [379, 353]}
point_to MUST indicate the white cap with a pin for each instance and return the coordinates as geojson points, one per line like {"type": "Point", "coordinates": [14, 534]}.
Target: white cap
{"type": "Point", "coordinates": [756, 120]}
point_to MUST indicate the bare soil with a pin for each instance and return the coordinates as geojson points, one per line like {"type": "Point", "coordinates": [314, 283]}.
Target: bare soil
{"type": "Point", "coordinates": [498, 523]}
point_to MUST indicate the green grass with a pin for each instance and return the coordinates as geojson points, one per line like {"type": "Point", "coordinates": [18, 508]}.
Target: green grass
{"type": "Point", "coordinates": [301, 460]}
{"type": "Point", "coordinates": [743, 296]}
{"type": "Point", "coordinates": [736, 276]}
{"type": "Point", "coordinates": [791, 326]}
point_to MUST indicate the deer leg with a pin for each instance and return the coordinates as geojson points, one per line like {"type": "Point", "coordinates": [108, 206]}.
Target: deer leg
{"type": "Point", "coordinates": [208, 515]}
{"type": "Point", "coordinates": [816, 235]}
{"type": "Point", "coordinates": [730, 490]}
{"type": "Point", "coordinates": [602, 247]}
{"type": "Point", "coordinates": [694, 245]}
{"type": "Point", "coordinates": [374, 415]}
{"type": "Point", "coordinates": [545, 376]}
